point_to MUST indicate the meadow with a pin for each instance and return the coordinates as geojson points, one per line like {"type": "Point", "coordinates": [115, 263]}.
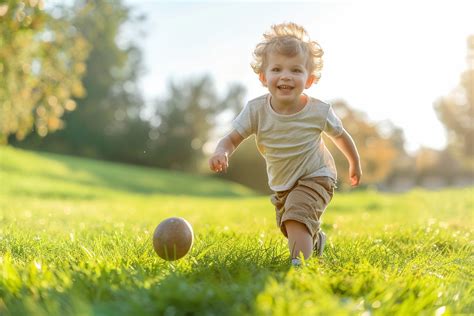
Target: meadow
{"type": "Point", "coordinates": [75, 239]}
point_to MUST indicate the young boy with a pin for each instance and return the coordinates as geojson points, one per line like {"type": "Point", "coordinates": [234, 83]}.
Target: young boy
{"type": "Point", "coordinates": [288, 125]}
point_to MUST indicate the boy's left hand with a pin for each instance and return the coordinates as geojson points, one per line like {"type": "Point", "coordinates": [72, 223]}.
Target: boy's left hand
{"type": "Point", "coordinates": [355, 173]}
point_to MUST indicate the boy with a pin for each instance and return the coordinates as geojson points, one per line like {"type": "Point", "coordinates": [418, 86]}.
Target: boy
{"type": "Point", "coordinates": [288, 126]}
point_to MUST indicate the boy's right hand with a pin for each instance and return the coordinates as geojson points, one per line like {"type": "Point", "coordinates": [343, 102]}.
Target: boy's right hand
{"type": "Point", "coordinates": [219, 162]}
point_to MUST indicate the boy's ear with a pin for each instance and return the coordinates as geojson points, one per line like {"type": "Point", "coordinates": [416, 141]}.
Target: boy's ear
{"type": "Point", "coordinates": [262, 78]}
{"type": "Point", "coordinates": [310, 81]}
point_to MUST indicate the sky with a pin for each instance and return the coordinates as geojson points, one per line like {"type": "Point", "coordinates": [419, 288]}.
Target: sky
{"type": "Point", "coordinates": [389, 59]}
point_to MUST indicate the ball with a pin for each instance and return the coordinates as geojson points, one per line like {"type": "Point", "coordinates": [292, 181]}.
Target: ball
{"type": "Point", "coordinates": [173, 238]}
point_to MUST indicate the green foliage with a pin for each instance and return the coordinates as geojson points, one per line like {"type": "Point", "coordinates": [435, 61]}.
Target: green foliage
{"type": "Point", "coordinates": [185, 118]}
{"type": "Point", "coordinates": [109, 123]}
{"type": "Point", "coordinates": [380, 145]}
{"type": "Point", "coordinates": [75, 238]}
{"type": "Point", "coordinates": [41, 66]}
{"type": "Point", "coordinates": [456, 112]}
{"type": "Point", "coordinates": [107, 118]}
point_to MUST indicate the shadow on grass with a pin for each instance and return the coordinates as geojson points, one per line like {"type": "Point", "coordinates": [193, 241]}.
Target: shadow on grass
{"type": "Point", "coordinates": [221, 279]}
{"type": "Point", "coordinates": [226, 290]}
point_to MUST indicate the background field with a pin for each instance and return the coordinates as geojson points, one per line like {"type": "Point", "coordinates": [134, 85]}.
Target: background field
{"type": "Point", "coordinates": [75, 238]}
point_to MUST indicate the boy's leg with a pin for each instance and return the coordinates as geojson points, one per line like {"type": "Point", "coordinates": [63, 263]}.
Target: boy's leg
{"type": "Point", "coordinates": [299, 210]}
{"type": "Point", "coordinates": [300, 240]}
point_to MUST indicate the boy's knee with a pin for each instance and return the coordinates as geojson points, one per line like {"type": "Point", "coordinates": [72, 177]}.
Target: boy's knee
{"type": "Point", "coordinates": [295, 226]}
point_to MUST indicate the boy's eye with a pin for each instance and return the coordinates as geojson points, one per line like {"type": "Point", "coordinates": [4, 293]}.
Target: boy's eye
{"type": "Point", "coordinates": [297, 70]}
{"type": "Point", "coordinates": [275, 69]}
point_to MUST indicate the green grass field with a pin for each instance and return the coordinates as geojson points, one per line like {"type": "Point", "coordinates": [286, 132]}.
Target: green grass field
{"type": "Point", "coordinates": [75, 239]}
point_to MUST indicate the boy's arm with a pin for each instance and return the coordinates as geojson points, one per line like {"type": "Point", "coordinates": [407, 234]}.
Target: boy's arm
{"type": "Point", "coordinates": [347, 146]}
{"type": "Point", "coordinates": [219, 161]}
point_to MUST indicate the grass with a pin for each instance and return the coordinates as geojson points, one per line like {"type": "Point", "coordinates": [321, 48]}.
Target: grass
{"type": "Point", "coordinates": [75, 239]}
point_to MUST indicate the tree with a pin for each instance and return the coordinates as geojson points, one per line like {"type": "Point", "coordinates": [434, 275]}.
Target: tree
{"type": "Point", "coordinates": [456, 112]}
{"type": "Point", "coordinates": [433, 163]}
{"type": "Point", "coordinates": [379, 145]}
{"type": "Point", "coordinates": [184, 120]}
{"type": "Point", "coordinates": [41, 66]}
{"type": "Point", "coordinates": [106, 124]}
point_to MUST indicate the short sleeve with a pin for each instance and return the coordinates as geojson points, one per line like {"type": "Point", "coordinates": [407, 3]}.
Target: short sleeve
{"type": "Point", "coordinates": [333, 124]}
{"type": "Point", "coordinates": [243, 122]}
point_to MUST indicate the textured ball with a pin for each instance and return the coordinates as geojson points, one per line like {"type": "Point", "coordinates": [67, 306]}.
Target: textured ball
{"type": "Point", "coordinates": [173, 238]}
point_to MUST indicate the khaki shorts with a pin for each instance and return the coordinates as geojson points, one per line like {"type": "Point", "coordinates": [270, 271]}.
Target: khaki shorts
{"type": "Point", "coordinates": [305, 202]}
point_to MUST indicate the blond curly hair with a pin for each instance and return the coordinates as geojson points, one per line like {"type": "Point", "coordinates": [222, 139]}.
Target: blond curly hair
{"type": "Point", "coordinates": [288, 39]}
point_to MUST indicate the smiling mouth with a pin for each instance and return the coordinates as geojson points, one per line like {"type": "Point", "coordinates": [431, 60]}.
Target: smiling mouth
{"type": "Point", "coordinates": [285, 87]}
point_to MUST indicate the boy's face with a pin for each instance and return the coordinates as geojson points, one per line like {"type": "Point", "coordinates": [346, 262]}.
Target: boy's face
{"type": "Point", "coordinates": [286, 78]}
